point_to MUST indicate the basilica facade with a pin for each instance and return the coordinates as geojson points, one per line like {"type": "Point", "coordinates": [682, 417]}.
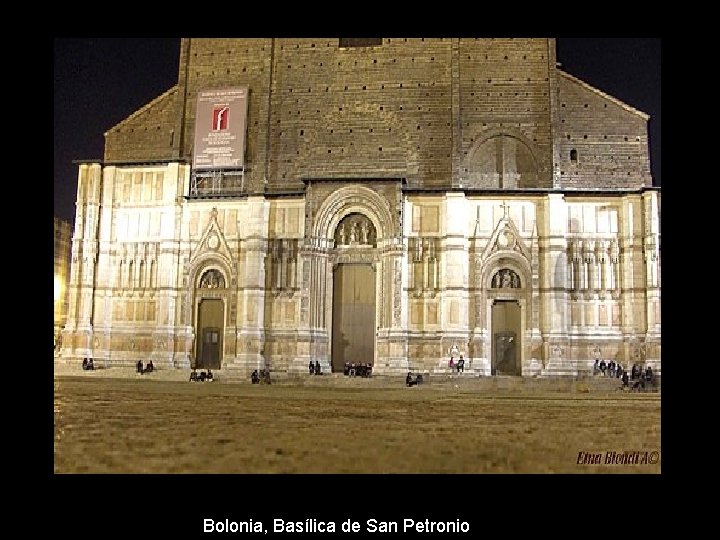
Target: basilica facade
{"type": "Point", "coordinates": [389, 201]}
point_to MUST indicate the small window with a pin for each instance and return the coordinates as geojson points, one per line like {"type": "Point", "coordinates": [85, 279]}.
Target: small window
{"type": "Point", "coordinates": [573, 155]}
{"type": "Point", "coordinates": [359, 42]}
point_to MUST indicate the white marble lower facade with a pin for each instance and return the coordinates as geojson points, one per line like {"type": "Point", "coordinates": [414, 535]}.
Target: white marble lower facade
{"type": "Point", "coordinates": [531, 283]}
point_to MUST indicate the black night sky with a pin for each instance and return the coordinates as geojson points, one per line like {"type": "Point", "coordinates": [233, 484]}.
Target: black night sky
{"type": "Point", "coordinates": [100, 81]}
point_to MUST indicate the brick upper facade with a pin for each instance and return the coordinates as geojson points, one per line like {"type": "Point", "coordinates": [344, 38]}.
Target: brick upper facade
{"type": "Point", "coordinates": [452, 112]}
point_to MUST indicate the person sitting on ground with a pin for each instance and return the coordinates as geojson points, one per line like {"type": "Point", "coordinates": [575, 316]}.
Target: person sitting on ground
{"type": "Point", "coordinates": [209, 375]}
{"type": "Point", "coordinates": [311, 367]}
{"type": "Point", "coordinates": [254, 377]}
{"type": "Point", "coordinates": [139, 367]}
{"type": "Point", "coordinates": [193, 376]}
{"type": "Point", "coordinates": [150, 368]}
{"type": "Point", "coordinates": [409, 380]}
{"type": "Point", "coordinates": [640, 383]}
{"type": "Point", "coordinates": [318, 370]}
{"type": "Point", "coordinates": [461, 364]}
{"type": "Point", "coordinates": [202, 376]}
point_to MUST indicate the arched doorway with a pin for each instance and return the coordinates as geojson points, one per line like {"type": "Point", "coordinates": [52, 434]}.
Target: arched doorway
{"type": "Point", "coordinates": [506, 322]}
{"type": "Point", "coordinates": [210, 320]}
{"type": "Point", "coordinates": [354, 298]}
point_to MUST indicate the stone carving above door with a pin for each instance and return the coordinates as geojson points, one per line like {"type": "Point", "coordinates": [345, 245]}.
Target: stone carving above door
{"type": "Point", "coordinates": [506, 279]}
{"type": "Point", "coordinates": [355, 230]}
{"type": "Point", "coordinates": [212, 279]}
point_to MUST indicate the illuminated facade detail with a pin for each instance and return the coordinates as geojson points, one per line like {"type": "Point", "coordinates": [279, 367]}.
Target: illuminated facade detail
{"type": "Point", "coordinates": [61, 274]}
{"type": "Point", "coordinates": [362, 224]}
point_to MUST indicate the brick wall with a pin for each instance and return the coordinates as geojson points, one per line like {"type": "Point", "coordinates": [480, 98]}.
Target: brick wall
{"type": "Point", "coordinates": [610, 139]}
{"type": "Point", "coordinates": [361, 112]}
{"type": "Point", "coordinates": [505, 88]}
{"type": "Point", "coordinates": [148, 133]}
{"type": "Point", "coordinates": [219, 63]}
{"type": "Point", "coordinates": [438, 112]}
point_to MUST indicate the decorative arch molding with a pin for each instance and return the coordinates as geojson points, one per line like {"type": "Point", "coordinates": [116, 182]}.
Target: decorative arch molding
{"type": "Point", "coordinates": [213, 246]}
{"type": "Point", "coordinates": [506, 238]}
{"type": "Point", "coordinates": [511, 260]}
{"type": "Point", "coordinates": [349, 200]}
{"type": "Point", "coordinates": [482, 135]}
{"type": "Point", "coordinates": [193, 290]}
{"type": "Point", "coordinates": [540, 159]}
{"type": "Point", "coordinates": [209, 261]}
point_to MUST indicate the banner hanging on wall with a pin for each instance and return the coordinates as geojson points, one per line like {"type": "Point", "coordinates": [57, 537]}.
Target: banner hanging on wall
{"type": "Point", "coordinates": [220, 125]}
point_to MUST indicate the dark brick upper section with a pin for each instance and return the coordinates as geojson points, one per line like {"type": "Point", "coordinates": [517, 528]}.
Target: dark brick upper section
{"type": "Point", "coordinates": [609, 136]}
{"type": "Point", "coordinates": [146, 134]}
{"type": "Point", "coordinates": [450, 112]}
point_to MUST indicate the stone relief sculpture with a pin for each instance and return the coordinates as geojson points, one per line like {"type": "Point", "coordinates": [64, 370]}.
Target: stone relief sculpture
{"type": "Point", "coordinates": [355, 230]}
{"type": "Point", "coordinates": [505, 279]}
{"type": "Point", "coordinates": [212, 279]}
{"type": "Point", "coordinates": [342, 234]}
{"type": "Point", "coordinates": [364, 230]}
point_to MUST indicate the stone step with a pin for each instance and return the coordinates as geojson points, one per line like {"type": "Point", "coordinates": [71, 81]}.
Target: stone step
{"type": "Point", "coordinates": [466, 381]}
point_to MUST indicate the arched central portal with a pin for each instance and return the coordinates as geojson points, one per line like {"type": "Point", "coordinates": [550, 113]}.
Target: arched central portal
{"type": "Point", "coordinates": [506, 336]}
{"type": "Point", "coordinates": [353, 333]}
{"type": "Point", "coordinates": [210, 317]}
{"type": "Point", "coordinates": [353, 330]}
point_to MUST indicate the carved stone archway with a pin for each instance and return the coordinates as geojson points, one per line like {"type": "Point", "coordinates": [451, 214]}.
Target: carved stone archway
{"type": "Point", "coordinates": [505, 280]}
{"type": "Point", "coordinates": [353, 199]}
{"type": "Point", "coordinates": [328, 247]}
{"type": "Point", "coordinates": [209, 280]}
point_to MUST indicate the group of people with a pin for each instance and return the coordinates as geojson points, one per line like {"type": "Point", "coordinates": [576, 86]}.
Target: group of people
{"type": "Point", "coordinates": [351, 369]}
{"type": "Point", "coordinates": [609, 369]}
{"type": "Point", "coordinates": [202, 376]}
{"type": "Point", "coordinates": [262, 377]}
{"type": "Point", "coordinates": [87, 364]}
{"type": "Point", "coordinates": [638, 377]}
{"type": "Point", "coordinates": [459, 365]}
{"type": "Point", "coordinates": [149, 368]}
{"type": "Point", "coordinates": [314, 368]}
{"type": "Point", "coordinates": [410, 381]}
